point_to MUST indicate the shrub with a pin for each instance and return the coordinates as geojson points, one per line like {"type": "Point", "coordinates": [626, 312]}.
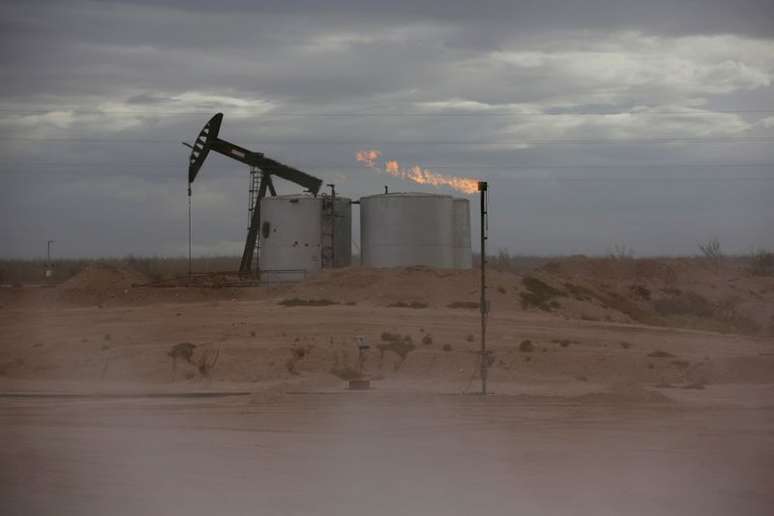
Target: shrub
{"type": "Point", "coordinates": [401, 346]}
{"type": "Point", "coordinates": [299, 352]}
{"type": "Point", "coordinates": [447, 347]}
{"type": "Point", "coordinates": [427, 340]}
{"type": "Point", "coordinates": [184, 350]}
{"type": "Point", "coordinates": [205, 365]}
{"type": "Point", "coordinates": [711, 249]}
{"type": "Point", "coordinates": [539, 294]}
{"type": "Point", "coordinates": [621, 252]}
{"type": "Point", "coordinates": [402, 349]}
{"type": "Point", "coordinates": [526, 346]}
{"type": "Point", "coordinates": [762, 263]}
{"type": "Point", "coordinates": [660, 354]}
{"type": "Point", "coordinates": [390, 337]}
{"type": "Point", "coordinates": [470, 337]}
{"type": "Point", "coordinates": [640, 291]}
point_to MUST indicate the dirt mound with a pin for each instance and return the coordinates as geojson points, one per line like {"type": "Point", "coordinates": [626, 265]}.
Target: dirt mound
{"type": "Point", "coordinates": [105, 277]}
{"type": "Point", "coordinates": [412, 287]}
{"type": "Point", "coordinates": [671, 292]}
{"type": "Point", "coordinates": [675, 292]}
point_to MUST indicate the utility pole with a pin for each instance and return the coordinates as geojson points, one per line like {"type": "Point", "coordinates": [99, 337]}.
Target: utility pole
{"type": "Point", "coordinates": [49, 268]}
{"type": "Point", "coordinates": [482, 188]}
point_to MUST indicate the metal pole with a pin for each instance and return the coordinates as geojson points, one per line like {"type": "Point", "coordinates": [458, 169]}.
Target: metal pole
{"type": "Point", "coordinates": [482, 187]}
{"type": "Point", "coordinates": [333, 225]}
{"type": "Point", "coordinates": [48, 252]}
{"type": "Point", "coordinates": [189, 233]}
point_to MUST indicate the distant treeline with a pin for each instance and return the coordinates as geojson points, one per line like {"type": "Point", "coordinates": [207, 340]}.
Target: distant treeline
{"type": "Point", "coordinates": [18, 271]}
{"type": "Point", "coordinates": [155, 268]}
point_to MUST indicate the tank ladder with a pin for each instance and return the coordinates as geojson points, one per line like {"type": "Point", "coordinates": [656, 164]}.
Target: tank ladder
{"type": "Point", "coordinates": [328, 230]}
{"type": "Point", "coordinates": [255, 181]}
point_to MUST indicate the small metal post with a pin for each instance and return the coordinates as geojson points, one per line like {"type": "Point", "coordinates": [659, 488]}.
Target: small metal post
{"type": "Point", "coordinates": [482, 187]}
{"type": "Point", "coordinates": [362, 347]}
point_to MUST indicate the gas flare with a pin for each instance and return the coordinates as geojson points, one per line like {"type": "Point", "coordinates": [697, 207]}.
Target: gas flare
{"type": "Point", "coordinates": [368, 157]}
{"type": "Point", "coordinates": [417, 174]}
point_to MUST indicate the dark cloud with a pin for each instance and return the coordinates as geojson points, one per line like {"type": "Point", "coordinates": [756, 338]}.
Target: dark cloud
{"type": "Point", "coordinates": [668, 17]}
{"type": "Point", "coordinates": [97, 96]}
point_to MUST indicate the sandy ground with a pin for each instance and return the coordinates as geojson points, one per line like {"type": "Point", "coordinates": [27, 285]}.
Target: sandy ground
{"type": "Point", "coordinates": [602, 415]}
{"type": "Point", "coordinates": [382, 454]}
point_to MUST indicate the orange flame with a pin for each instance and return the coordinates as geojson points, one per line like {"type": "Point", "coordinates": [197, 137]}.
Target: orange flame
{"type": "Point", "coordinates": [368, 157]}
{"type": "Point", "coordinates": [417, 174]}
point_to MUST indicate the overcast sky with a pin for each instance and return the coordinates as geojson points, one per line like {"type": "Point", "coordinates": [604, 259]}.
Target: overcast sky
{"type": "Point", "coordinates": [646, 124]}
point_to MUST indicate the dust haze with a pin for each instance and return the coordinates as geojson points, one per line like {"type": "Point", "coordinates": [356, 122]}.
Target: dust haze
{"type": "Point", "coordinates": [628, 308]}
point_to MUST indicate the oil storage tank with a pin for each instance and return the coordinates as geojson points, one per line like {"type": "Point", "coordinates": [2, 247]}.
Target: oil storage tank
{"type": "Point", "coordinates": [463, 257]}
{"type": "Point", "coordinates": [298, 236]}
{"type": "Point", "coordinates": [404, 229]}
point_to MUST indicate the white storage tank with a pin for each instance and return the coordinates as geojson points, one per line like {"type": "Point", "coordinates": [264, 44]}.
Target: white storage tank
{"type": "Point", "coordinates": [298, 236]}
{"type": "Point", "coordinates": [290, 237]}
{"type": "Point", "coordinates": [404, 229]}
{"type": "Point", "coordinates": [463, 257]}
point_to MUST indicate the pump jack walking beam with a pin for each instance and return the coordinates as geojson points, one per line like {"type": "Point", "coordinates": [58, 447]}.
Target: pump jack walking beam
{"type": "Point", "coordinates": [208, 140]}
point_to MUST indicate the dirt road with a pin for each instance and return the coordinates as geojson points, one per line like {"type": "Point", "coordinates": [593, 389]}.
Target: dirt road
{"type": "Point", "coordinates": [382, 454]}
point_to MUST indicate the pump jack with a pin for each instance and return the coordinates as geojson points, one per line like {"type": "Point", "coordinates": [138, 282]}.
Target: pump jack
{"type": "Point", "coordinates": [208, 140]}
